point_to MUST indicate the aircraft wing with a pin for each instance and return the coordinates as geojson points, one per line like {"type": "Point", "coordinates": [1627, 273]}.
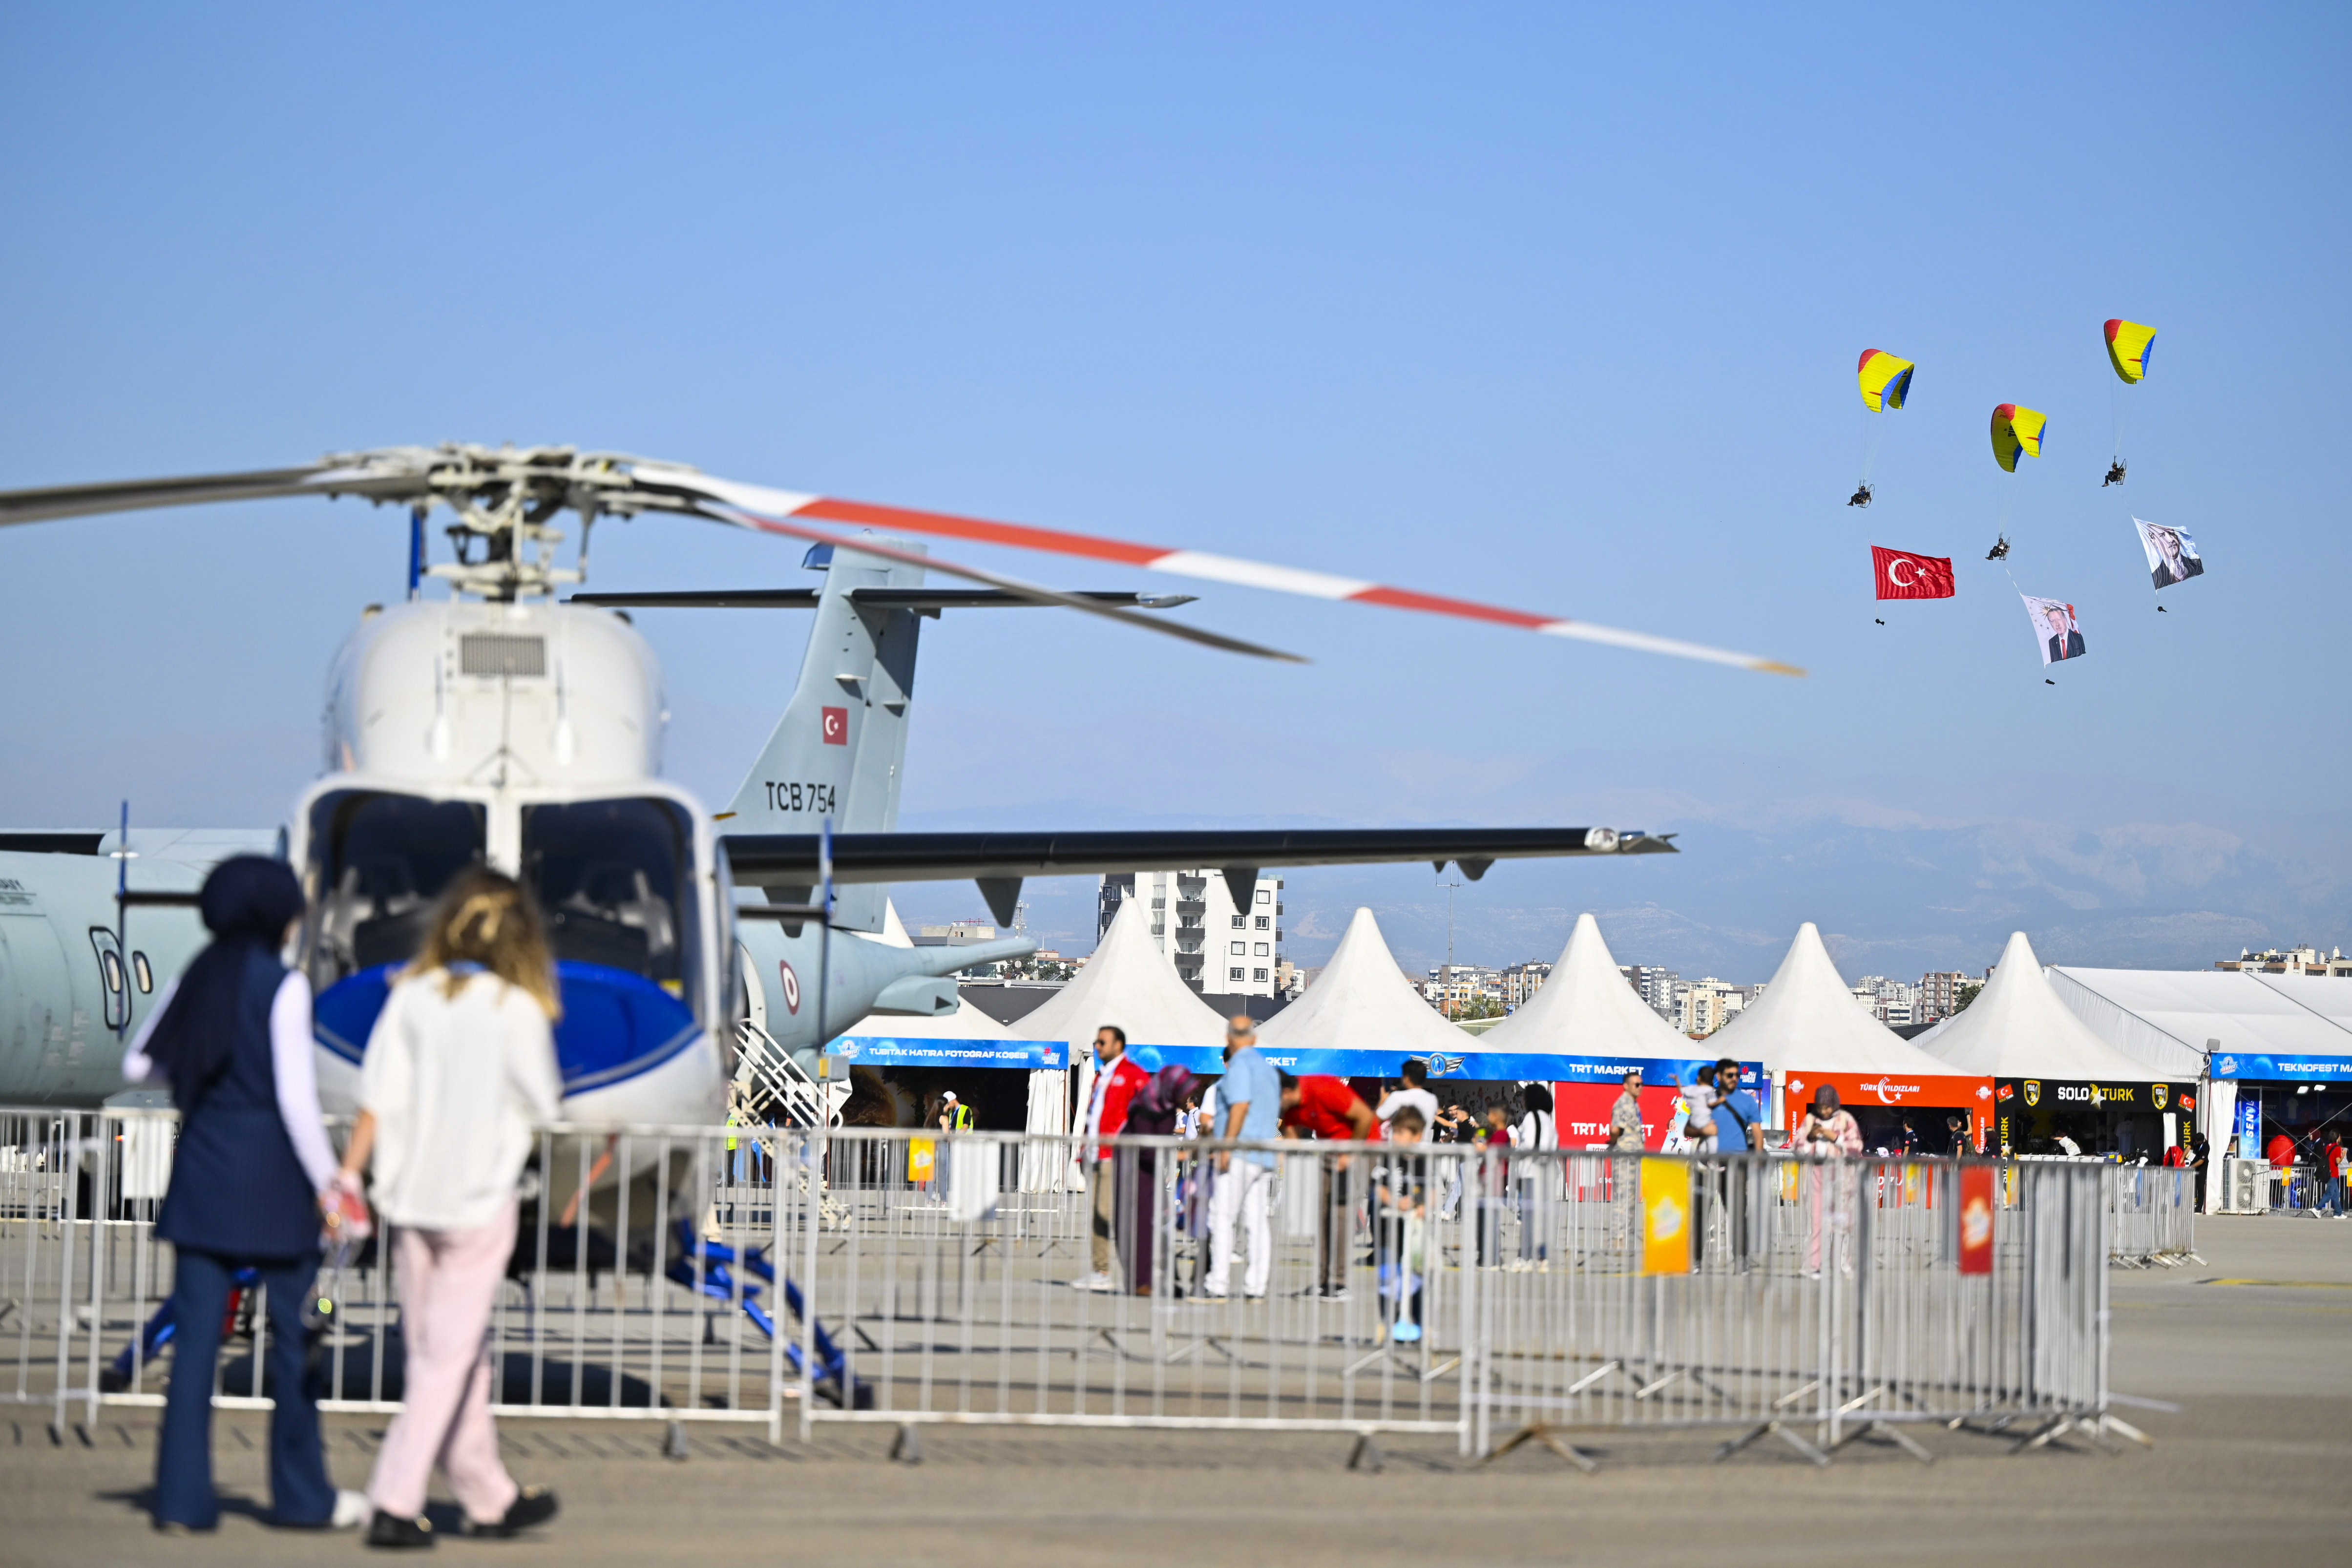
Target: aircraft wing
{"type": "Point", "coordinates": [999, 861]}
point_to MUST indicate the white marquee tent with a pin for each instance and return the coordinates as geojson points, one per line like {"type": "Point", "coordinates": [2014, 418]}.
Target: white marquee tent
{"type": "Point", "coordinates": [2166, 1017]}
{"type": "Point", "coordinates": [1361, 1001]}
{"type": "Point", "coordinates": [1808, 1021]}
{"type": "Point", "coordinates": [2017, 1027]}
{"type": "Point", "coordinates": [1586, 1008]}
{"type": "Point", "coordinates": [2172, 1019]}
{"type": "Point", "coordinates": [2329, 996]}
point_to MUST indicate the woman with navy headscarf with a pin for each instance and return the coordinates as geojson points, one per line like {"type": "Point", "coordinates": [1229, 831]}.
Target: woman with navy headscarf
{"type": "Point", "coordinates": [232, 1036]}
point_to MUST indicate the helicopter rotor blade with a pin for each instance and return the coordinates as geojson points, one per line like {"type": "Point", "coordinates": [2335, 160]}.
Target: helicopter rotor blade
{"type": "Point", "coordinates": [1013, 585]}
{"type": "Point", "coordinates": [620, 484]}
{"type": "Point", "coordinates": [391, 473]}
{"type": "Point", "coordinates": [766, 505]}
{"type": "Point", "coordinates": [132, 495]}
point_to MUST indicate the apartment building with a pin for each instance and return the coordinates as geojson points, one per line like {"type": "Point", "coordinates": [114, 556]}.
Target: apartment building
{"type": "Point", "coordinates": [1217, 948]}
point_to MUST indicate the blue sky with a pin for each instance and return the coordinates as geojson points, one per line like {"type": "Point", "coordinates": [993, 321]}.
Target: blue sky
{"type": "Point", "coordinates": [1550, 308]}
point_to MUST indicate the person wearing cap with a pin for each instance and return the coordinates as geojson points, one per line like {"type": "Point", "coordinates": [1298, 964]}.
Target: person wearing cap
{"type": "Point", "coordinates": [955, 1116]}
{"type": "Point", "coordinates": [1250, 1097]}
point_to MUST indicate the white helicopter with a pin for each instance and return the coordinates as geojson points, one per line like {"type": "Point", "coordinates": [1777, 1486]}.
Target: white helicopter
{"type": "Point", "coordinates": [503, 726]}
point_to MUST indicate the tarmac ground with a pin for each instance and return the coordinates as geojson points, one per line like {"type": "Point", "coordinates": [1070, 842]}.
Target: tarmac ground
{"type": "Point", "coordinates": [2254, 1349]}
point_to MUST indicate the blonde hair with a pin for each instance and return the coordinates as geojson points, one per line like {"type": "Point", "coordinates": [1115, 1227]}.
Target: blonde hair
{"type": "Point", "coordinates": [488, 919]}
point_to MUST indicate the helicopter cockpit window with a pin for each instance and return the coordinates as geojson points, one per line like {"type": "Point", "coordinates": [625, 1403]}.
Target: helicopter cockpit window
{"type": "Point", "coordinates": [613, 879]}
{"type": "Point", "coordinates": [377, 863]}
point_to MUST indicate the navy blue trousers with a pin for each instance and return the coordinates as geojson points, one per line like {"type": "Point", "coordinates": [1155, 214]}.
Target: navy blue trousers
{"type": "Point", "coordinates": [299, 1492]}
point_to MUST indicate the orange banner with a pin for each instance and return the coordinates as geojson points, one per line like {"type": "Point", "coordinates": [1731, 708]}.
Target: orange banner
{"type": "Point", "coordinates": [1976, 1219]}
{"type": "Point", "coordinates": [1933, 1093]}
{"type": "Point", "coordinates": [1666, 1217]}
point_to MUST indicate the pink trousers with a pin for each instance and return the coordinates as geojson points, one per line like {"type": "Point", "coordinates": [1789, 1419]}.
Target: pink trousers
{"type": "Point", "coordinates": [448, 1282]}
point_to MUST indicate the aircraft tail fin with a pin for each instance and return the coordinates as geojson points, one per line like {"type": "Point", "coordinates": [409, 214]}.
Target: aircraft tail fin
{"type": "Point", "coordinates": [840, 749]}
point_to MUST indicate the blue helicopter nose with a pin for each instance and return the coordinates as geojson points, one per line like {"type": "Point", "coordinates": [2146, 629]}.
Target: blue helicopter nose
{"type": "Point", "coordinates": [615, 1025]}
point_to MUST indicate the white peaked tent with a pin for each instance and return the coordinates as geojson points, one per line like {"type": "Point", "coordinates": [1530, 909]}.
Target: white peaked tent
{"type": "Point", "coordinates": [1127, 982]}
{"type": "Point", "coordinates": [2164, 1017]}
{"type": "Point", "coordinates": [2017, 1028]}
{"type": "Point", "coordinates": [1809, 1021]}
{"type": "Point", "coordinates": [1361, 1001]}
{"type": "Point", "coordinates": [1586, 1008]}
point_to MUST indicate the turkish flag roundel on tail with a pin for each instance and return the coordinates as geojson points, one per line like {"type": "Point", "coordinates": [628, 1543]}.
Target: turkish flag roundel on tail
{"type": "Point", "coordinates": [1902, 575]}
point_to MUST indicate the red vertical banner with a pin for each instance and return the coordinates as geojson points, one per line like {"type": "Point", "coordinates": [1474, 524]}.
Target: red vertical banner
{"type": "Point", "coordinates": [1976, 1219]}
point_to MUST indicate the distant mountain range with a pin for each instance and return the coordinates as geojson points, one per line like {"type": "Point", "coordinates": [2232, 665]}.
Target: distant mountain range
{"type": "Point", "coordinates": [1891, 900]}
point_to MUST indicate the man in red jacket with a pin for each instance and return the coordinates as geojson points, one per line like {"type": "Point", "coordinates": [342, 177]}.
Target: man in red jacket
{"type": "Point", "coordinates": [1321, 1106]}
{"type": "Point", "coordinates": [1117, 1079]}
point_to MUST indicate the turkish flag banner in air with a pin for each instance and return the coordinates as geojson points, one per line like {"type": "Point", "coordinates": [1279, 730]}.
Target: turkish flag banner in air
{"type": "Point", "coordinates": [1902, 575]}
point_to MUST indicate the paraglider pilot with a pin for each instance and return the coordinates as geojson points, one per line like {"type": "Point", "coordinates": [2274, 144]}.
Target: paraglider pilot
{"type": "Point", "coordinates": [1861, 497]}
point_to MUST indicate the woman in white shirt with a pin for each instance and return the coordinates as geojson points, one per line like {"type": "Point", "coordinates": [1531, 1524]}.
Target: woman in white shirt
{"type": "Point", "coordinates": [459, 1068]}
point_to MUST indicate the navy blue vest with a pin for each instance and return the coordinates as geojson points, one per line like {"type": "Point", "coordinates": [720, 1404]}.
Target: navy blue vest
{"type": "Point", "coordinates": [238, 1190]}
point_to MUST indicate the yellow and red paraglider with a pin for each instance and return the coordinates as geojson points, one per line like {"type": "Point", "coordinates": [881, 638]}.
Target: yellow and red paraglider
{"type": "Point", "coordinates": [2129, 343]}
{"type": "Point", "coordinates": [1884, 379]}
{"type": "Point", "coordinates": [2016, 430]}
{"type": "Point", "coordinates": [1886, 382]}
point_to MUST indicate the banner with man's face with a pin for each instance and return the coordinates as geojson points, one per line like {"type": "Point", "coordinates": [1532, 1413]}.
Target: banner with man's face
{"type": "Point", "coordinates": [2171, 553]}
{"type": "Point", "coordinates": [2054, 628]}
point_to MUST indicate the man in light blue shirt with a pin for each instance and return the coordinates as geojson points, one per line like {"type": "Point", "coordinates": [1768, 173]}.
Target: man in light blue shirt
{"type": "Point", "coordinates": [1250, 1097]}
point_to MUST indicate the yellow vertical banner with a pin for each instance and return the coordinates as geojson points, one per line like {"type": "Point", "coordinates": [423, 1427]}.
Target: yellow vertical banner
{"type": "Point", "coordinates": [918, 1159]}
{"type": "Point", "coordinates": [1666, 1217]}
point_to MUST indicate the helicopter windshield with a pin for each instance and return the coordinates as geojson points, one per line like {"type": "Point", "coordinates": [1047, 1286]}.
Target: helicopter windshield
{"type": "Point", "coordinates": [378, 862]}
{"type": "Point", "coordinates": [613, 878]}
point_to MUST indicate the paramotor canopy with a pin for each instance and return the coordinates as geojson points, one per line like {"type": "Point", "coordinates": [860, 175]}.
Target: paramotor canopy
{"type": "Point", "coordinates": [2129, 343]}
{"type": "Point", "coordinates": [2015, 430]}
{"type": "Point", "coordinates": [1884, 379]}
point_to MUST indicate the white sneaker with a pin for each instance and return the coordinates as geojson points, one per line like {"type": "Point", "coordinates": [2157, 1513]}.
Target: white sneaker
{"type": "Point", "coordinates": [1093, 1282]}
{"type": "Point", "coordinates": [351, 1510]}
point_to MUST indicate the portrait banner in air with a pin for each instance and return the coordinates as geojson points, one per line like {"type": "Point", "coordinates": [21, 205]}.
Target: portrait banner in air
{"type": "Point", "coordinates": [2171, 554]}
{"type": "Point", "coordinates": [1900, 574]}
{"type": "Point", "coordinates": [2055, 628]}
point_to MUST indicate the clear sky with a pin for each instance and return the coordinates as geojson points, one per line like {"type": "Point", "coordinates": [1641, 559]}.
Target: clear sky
{"type": "Point", "coordinates": [1557, 309]}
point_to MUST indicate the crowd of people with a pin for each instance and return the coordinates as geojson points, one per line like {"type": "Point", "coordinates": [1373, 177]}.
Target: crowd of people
{"type": "Point", "coordinates": [1224, 1200]}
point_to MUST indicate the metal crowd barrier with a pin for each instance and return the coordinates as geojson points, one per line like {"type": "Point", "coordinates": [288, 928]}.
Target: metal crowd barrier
{"type": "Point", "coordinates": [1498, 1297]}
{"type": "Point", "coordinates": [651, 1298]}
{"type": "Point", "coordinates": [2153, 1211]}
{"type": "Point", "coordinates": [856, 1276]}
